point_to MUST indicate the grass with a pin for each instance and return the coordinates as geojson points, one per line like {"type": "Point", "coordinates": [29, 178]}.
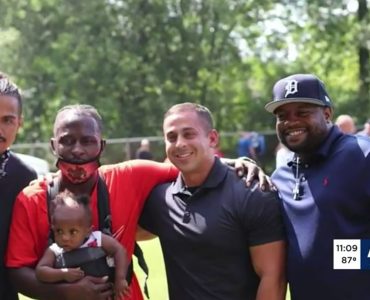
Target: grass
{"type": "Point", "coordinates": [157, 279]}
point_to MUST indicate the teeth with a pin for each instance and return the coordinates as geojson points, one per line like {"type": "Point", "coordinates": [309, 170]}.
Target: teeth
{"type": "Point", "coordinates": [183, 155]}
{"type": "Point", "coordinates": [296, 132]}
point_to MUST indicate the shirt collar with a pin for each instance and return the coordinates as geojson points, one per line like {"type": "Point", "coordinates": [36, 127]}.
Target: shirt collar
{"type": "Point", "coordinates": [215, 176]}
{"type": "Point", "coordinates": [333, 135]}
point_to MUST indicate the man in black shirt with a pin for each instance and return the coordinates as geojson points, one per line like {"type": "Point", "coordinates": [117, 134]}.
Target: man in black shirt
{"type": "Point", "coordinates": [14, 174]}
{"type": "Point", "coordinates": [220, 239]}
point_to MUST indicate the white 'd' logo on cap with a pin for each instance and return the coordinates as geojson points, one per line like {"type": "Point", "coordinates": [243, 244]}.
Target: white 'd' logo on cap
{"type": "Point", "coordinates": [291, 87]}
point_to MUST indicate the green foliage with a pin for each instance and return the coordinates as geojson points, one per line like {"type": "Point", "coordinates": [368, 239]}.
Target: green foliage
{"type": "Point", "coordinates": [134, 59]}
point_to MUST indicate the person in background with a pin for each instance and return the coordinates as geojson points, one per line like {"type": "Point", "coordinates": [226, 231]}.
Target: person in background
{"type": "Point", "coordinates": [246, 146]}
{"type": "Point", "coordinates": [14, 174]}
{"type": "Point", "coordinates": [324, 189]}
{"type": "Point", "coordinates": [220, 240]}
{"type": "Point", "coordinates": [252, 145]}
{"type": "Point", "coordinates": [346, 124]}
{"type": "Point", "coordinates": [366, 130]}
{"type": "Point", "coordinates": [143, 152]}
{"type": "Point", "coordinates": [71, 223]}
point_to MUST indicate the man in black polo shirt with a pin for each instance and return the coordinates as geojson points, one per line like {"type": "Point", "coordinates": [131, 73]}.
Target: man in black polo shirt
{"type": "Point", "coordinates": [220, 239]}
{"type": "Point", "coordinates": [14, 174]}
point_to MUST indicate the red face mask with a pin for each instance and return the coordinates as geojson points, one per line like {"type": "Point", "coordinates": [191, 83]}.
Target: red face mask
{"type": "Point", "coordinates": [78, 172]}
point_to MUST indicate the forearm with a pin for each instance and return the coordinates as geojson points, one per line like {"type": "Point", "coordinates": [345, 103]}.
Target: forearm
{"type": "Point", "coordinates": [25, 281]}
{"type": "Point", "coordinates": [272, 288]}
{"type": "Point", "coordinates": [51, 275]}
{"type": "Point", "coordinates": [121, 264]}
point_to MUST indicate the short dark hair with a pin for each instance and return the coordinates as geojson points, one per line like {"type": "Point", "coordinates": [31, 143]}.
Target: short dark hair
{"type": "Point", "coordinates": [80, 200]}
{"type": "Point", "coordinates": [9, 88]}
{"type": "Point", "coordinates": [202, 111]}
{"type": "Point", "coordinates": [84, 110]}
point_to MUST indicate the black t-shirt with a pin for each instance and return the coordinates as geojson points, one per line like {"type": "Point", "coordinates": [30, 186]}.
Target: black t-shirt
{"type": "Point", "coordinates": [18, 176]}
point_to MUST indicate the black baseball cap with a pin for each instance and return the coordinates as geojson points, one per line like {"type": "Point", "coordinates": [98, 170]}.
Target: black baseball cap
{"type": "Point", "coordinates": [305, 88]}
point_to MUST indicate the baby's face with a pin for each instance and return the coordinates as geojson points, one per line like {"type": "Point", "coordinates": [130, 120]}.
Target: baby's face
{"type": "Point", "coordinates": [70, 227]}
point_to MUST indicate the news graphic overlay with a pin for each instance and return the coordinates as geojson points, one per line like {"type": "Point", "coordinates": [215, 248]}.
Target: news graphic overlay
{"type": "Point", "coordinates": [347, 254]}
{"type": "Point", "coordinates": [351, 254]}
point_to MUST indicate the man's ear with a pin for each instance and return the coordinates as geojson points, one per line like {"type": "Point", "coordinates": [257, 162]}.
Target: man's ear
{"type": "Point", "coordinates": [103, 143]}
{"type": "Point", "coordinates": [52, 141]}
{"type": "Point", "coordinates": [20, 123]}
{"type": "Point", "coordinates": [213, 138]}
{"type": "Point", "coordinates": [328, 113]}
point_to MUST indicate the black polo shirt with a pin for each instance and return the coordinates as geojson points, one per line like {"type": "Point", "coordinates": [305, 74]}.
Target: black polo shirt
{"type": "Point", "coordinates": [206, 234]}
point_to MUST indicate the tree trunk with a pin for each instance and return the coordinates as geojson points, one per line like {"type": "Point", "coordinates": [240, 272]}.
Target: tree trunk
{"type": "Point", "coordinates": [364, 68]}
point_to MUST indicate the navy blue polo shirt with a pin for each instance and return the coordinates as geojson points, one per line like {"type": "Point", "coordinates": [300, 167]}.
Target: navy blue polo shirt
{"type": "Point", "coordinates": [334, 204]}
{"type": "Point", "coordinates": [206, 234]}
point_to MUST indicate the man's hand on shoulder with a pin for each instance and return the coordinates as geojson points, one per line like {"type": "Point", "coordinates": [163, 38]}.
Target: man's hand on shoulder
{"type": "Point", "coordinates": [250, 171]}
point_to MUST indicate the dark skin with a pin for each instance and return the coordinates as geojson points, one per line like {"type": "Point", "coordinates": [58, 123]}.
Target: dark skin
{"type": "Point", "coordinates": [302, 127]}
{"type": "Point", "coordinates": [76, 138]}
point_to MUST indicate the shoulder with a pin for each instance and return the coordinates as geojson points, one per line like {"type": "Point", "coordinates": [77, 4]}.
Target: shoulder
{"type": "Point", "coordinates": [250, 196]}
{"type": "Point", "coordinates": [353, 147]}
{"type": "Point", "coordinates": [235, 185]}
{"type": "Point", "coordinates": [141, 173]}
{"type": "Point", "coordinates": [256, 195]}
{"type": "Point", "coordinates": [136, 165]}
{"type": "Point", "coordinates": [161, 189]}
{"type": "Point", "coordinates": [21, 166]}
{"type": "Point", "coordinates": [33, 193]}
{"type": "Point", "coordinates": [157, 196]}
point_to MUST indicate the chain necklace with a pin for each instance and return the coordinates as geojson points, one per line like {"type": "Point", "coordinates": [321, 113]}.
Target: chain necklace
{"type": "Point", "coordinates": [3, 161]}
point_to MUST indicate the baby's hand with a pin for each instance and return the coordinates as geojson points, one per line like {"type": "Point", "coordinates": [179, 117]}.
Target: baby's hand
{"type": "Point", "coordinates": [73, 274]}
{"type": "Point", "coordinates": [121, 288]}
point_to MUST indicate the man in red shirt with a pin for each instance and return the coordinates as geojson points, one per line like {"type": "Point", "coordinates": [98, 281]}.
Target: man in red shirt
{"type": "Point", "coordinates": [77, 143]}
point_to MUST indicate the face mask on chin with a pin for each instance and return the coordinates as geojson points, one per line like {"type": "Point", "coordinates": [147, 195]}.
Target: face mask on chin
{"type": "Point", "coordinates": [78, 172]}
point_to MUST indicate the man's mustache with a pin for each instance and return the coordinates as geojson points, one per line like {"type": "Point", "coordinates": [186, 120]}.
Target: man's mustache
{"type": "Point", "coordinates": [2, 139]}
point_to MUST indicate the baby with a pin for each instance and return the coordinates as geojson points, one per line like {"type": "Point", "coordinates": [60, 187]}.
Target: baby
{"type": "Point", "coordinates": [71, 224]}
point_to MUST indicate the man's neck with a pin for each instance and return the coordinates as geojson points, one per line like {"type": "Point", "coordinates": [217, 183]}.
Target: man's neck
{"type": "Point", "coordinates": [192, 179]}
{"type": "Point", "coordinates": [80, 188]}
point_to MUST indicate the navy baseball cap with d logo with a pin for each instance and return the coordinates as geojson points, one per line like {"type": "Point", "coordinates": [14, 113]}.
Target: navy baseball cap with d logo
{"type": "Point", "coordinates": [305, 88]}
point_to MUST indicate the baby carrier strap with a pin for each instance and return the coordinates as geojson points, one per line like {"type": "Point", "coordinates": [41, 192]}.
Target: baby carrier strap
{"type": "Point", "coordinates": [105, 224]}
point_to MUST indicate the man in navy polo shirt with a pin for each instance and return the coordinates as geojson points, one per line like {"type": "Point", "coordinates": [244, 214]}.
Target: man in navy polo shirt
{"type": "Point", "coordinates": [325, 190]}
{"type": "Point", "coordinates": [220, 239]}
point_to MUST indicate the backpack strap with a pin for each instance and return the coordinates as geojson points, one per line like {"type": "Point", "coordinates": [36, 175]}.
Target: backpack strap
{"type": "Point", "coordinates": [105, 225]}
{"type": "Point", "coordinates": [138, 252]}
{"type": "Point", "coordinates": [51, 192]}
{"type": "Point", "coordinates": [105, 218]}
